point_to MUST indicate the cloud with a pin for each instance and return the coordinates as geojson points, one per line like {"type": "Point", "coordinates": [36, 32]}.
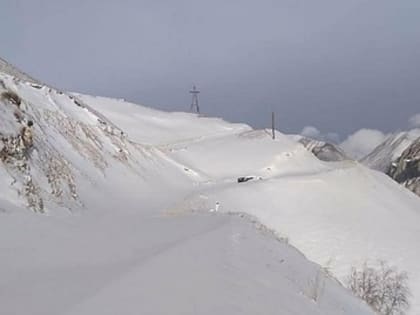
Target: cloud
{"type": "Point", "coordinates": [310, 132]}
{"type": "Point", "coordinates": [362, 142]}
{"type": "Point", "coordinates": [315, 133]}
{"type": "Point", "coordinates": [414, 121]}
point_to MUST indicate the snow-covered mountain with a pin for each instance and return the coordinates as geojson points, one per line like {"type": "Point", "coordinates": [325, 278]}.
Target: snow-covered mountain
{"type": "Point", "coordinates": [406, 169]}
{"type": "Point", "coordinates": [390, 150]}
{"type": "Point", "coordinates": [50, 141]}
{"type": "Point", "coordinates": [131, 196]}
{"type": "Point", "coordinates": [389, 157]}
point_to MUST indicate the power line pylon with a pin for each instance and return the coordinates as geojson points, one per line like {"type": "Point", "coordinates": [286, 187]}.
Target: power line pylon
{"type": "Point", "coordinates": [194, 103]}
{"type": "Point", "coordinates": [273, 126]}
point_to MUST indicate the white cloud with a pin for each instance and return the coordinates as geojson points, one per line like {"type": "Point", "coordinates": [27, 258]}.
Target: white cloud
{"type": "Point", "coordinates": [310, 132]}
{"type": "Point", "coordinates": [315, 133]}
{"type": "Point", "coordinates": [414, 121]}
{"type": "Point", "coordinates": [362, 142]}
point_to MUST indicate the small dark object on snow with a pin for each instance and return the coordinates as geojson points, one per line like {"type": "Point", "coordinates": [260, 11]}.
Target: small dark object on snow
{"type": "Point", "coordinates": [30, 123]}
{"type": "Point", "coordinates": [245, 179]}
{"type": "Point", "coordinates": [77, 103]}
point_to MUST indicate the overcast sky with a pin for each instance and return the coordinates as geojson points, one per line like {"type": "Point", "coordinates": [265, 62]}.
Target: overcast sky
{"type": "Point", "coordinates": [338, 65]}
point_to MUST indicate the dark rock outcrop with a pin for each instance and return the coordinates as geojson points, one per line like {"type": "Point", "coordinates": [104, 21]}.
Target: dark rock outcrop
{"type": "Point", "coordinates": [387, 152]}
{"type": "Point", "coordinates": [323, 150]}
{"type": "Point", "coordinates": [406, 169]}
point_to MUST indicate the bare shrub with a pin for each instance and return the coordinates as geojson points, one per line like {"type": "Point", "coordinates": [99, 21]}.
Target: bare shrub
{"type": "Point", "coordinates": [383, 287]}
{"type": "Point", "coordinates": [12, 97]}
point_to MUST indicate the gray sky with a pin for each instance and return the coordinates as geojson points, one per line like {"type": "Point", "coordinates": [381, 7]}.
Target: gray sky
{"type": "Point", "coordinates": [339, 65]}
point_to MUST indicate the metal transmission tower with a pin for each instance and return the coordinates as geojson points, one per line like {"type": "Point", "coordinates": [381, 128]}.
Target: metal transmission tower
{"type": "Point", "coordinates": [273, 126]}
{"type": "Point", "coordinates": [194, 103]}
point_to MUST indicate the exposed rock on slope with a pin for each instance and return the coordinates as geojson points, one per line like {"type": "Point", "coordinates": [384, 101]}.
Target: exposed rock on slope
{"type": "Point", "coordinates": [406, 170]}
{"type": "Point", "coordinates": [322, 150]}
{"type": "Point", "coordinates": [398, 157]}
{"type": "Point", "coordinates": [50, 140]}
{"type": "Point", "coordinates": [390, 150]}
{"type": "Point", "coordinates": [16, 143]}
{"type": "Point", "coordinates": [9, 69]}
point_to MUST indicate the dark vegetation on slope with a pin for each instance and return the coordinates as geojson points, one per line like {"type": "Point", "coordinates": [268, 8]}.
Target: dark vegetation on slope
{"type": "Point", "coordinates": [382, 287]}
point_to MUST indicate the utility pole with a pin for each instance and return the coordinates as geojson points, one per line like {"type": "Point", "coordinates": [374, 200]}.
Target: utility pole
{"type": "Point", "coordinates": [273, 126]}
{"type": "Point", "coordinates": [194, 103]}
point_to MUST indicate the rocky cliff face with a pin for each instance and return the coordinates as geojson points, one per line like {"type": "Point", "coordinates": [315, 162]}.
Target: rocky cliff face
{"type": "Point", "coordinates": [398, 156]}
{"type": "Point", "coordinates": [51, 141]}
{"type": "Point", "coordinates": [322, 150]}
{"type": "Point", "coordinates": [386, 153]}
{"type": "Point", "coordinates": [406, 169]}
{"type": "Point", "coordinates": [16, 143]}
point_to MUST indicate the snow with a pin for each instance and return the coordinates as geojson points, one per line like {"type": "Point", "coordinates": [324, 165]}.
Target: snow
{"type": "Point", "coordinates": [140, 237]}
{"type": "Point", "coordinates": [390, 150]}
{"type": "Point", "coordinates": [339, 214]}
{"type": "Point", "coordinates": [330, 220]}
{"type": "Point", "coordinates": [154, 127]}
{"type": "Point", "coordinates": [137, 263]}
{"type": "Point", "coordinates": [7, 68]}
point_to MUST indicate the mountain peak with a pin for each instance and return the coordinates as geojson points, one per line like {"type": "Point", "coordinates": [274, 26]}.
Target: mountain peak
{"type": "Point", "coordinates": [10, 69]}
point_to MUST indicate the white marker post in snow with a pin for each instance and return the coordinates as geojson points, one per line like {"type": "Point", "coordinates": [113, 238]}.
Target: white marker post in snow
{"type": "Point", "coordinates": [216, 207]}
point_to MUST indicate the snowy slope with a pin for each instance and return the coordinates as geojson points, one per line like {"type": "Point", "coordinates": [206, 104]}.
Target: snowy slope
{"type": "Point", "coordinates": [73, 146]}
{"type": "Point", "coordinates": [324, 209]}
{"type": "Point", "coordinates": [154, 264]}
{"type": "Point", "coordinates": [338, 218]}
{"type": "Point", "coordinates": [154, 127]}
{"type": "Point", "coordinates": [339, 214]}
{"type": "Point", "coordinates": [391, 158]}
{"type": "Point", "coordinates": [113, 240]}
{"type": "Point", "coordinates": [390, 150]}
{"type": "Point", "coordinates": [9, 69]}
